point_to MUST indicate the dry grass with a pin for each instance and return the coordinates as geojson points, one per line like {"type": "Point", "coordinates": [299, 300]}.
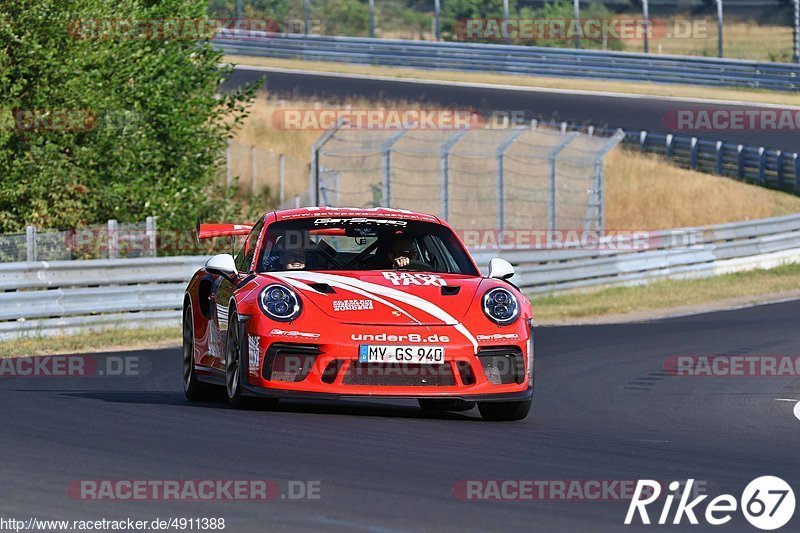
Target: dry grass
{"type": "Point", "coordinates": [677, 91]}
{"type": "Point", "coordinates": [114, 340]}
{"type": "Point", "coordinates": [646, 192]}
{"type": "Point", "coordinates": [746, 287]}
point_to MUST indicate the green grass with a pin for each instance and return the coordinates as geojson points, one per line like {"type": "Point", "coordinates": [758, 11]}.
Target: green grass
{"type": "Point", "coordinates": [663, 295]}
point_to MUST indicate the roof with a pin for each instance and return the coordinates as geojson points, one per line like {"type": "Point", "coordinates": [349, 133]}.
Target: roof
{"type": "Point", "coordinates": [354, 212]}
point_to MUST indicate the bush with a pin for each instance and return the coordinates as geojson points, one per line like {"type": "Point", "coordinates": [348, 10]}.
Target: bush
{"type": "Point", "coordinates": [155, 131]}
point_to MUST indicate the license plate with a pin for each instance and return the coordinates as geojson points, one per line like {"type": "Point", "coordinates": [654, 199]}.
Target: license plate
{"type": "Point", "coordinates": [420, 355]}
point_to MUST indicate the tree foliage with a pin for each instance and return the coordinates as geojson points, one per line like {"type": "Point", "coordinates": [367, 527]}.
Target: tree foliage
{"type": "Point", "coordinates": [157, 127]}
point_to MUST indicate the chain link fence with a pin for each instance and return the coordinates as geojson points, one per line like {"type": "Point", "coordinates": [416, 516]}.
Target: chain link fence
{"type": "Point", "coordinates": [517, 178]}
{"type": "Point", "coordinates": [110, 241]}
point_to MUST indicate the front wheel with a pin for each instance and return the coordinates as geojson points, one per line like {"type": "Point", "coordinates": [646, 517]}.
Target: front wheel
{"type": "Point", "coordinates": [504, 411]}
{"type": "Point", "coordinates": [233, 363]}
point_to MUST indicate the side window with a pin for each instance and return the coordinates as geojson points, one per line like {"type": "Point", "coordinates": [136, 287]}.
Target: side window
{"type": "Point", "coordinates": [245, 256]}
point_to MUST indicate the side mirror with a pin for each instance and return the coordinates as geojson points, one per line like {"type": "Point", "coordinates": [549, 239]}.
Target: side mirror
{"type": "Point", "coordinates": [500, 269]}
{"type": "Point", "coordinates": [224, 265]}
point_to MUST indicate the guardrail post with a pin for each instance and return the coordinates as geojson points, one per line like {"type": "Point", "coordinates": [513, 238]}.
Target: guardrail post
{"type": "Point", "coordinates": [670, 149]}
{"type": "Point", "coordinates": [387, 167]}
{"type": "Point", "coordinates": [30, 243]}
{"type": "Point", "coordinates": [740, 161]}
{"type": "Point", "coordinates": [444, 187]}
{"type": "Point", "coordinates": [719, 157]}
{"type": "Point", "coordinates": [693, 158]}
{"type": "Point", "coordinates": [780, 169]}
{"type": "Point", "coordinates": [113, 242]}
{"type": "Point", "coordinates": [500, 173]}
{"type": "Point", "coordinates": [762, 161]}
{"type": "Point", "coordinates": [150, 233]}
{"type": "Point", "coordinates": [551, 183]}
{"type": "Point", "coordinates": [642, 140]}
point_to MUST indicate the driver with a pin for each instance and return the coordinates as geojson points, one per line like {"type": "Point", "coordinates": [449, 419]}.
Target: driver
{"type": "Point", "coordinates": [402, 252]}
{"type": "Point", "coordinates": [294, 259]}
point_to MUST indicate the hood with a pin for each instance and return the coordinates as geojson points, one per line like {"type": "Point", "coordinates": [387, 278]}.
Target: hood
{"type": "Point", "coordinates": [388, 297]}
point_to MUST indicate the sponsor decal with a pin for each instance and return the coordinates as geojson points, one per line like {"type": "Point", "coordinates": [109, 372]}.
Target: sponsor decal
{"type": "Point", "coordinates": [410, 337]}
{"type": "Point", "coordinates": [497, 337]}
{"type": "Point", "coordinates": [767, 503]}
{"type": "Point", "coordinates": [253, 351]}
{"type": "Point", "coordinates": [297, 334]}
{"type": "Point", "coordinates": [360, 220]}
{"type": "Point", "coordinates": [353, 305]}
{"type": "Point", "coordinates": [414, 278]}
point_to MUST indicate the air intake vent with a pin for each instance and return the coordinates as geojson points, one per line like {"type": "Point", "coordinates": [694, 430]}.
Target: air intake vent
{"type": "Point", "coordinates": [450, 290]}
{"type": "Point", "coordinates": [322, 287]}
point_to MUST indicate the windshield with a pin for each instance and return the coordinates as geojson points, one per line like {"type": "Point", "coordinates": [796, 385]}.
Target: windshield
{"type": "Point", "coordinates": [362, 244]}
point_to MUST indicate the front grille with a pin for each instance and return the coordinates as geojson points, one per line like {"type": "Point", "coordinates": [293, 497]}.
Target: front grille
{"type": "Point", "coordinates": [399, 375]}
{"type": "Point", "coordinates": [289, 362]}
{"type": "Point", "coordinates": [502, 364]}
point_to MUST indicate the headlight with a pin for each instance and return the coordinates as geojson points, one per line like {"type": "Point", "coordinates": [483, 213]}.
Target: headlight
{"type": "Point", "coordinates": [279, 303]}
{"type": "Point", "coordinates": [501, 306]}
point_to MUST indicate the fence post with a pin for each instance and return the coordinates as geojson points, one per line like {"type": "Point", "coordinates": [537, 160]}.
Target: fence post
{"type": "Point", "coordinates": [646, 16]}
{"type": "Point", "coordinates": [444, 160]}
{"type": "Point", "coordinates": [30, 243]}
{"type": "Point", "coordinates": [500, 173]}
{"type": "Point", "coordinates": [307, 15]}
{"type": "Point", "coordinates": [437, 20]}
{"type": "Point", "coordinates": [719, 157]}
{"type": "Point", "coordinates": [693, 157]}
{"type": "Point", "coordinates": [150, 233]}
{"type": "Point", "coordinates": [228, 171]}
{"type": "Point", "coordinates": [719, 28]}
{"type": "Point", "coordinates": [113, 242]}
{"type": "Point", "coordinates": [551, 186]}
{"type": "Point", "coordinates": [762, 160]}
{"type": "Point", "coordinates": [386, 191]}
{"type": "Point", "coordinates": [316, 148]}
{"type": "Point", "coordinates": [253, 170]}
{"type": "Point", "coordinates": [372, 18]}
{"type": "Point", "coordinates": [598, 188]}
{"type": "Point", "coordinates": [642, 140]}
{"type": "Point", "coordinates": [796, 31]}
{"type": "Point", "coordinates": [281, 178]}
{"type": "Point", "coordinates": [780, 169]}
{"type": "Point", "coordinates": [576, 7]}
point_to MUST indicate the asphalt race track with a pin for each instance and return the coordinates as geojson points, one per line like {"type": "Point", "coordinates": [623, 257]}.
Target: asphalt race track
{"type": "Point", "coordinates": [631, 112]}
{"type": "Point", "coordinates": [604, 409]}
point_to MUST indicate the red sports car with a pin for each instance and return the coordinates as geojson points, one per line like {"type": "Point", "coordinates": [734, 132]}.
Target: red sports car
{"type": "Point", "coordinates": [325, 302]}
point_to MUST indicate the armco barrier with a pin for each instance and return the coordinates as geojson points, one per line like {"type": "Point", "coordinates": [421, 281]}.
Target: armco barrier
{"type": "Point", "coordinates": [45, 298]}
{"type": "Point", "coordinates": [514, 59]}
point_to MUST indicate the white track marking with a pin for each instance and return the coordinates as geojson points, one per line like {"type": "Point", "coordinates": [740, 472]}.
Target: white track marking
{"type": "Point", "coordinates": [521, 88]}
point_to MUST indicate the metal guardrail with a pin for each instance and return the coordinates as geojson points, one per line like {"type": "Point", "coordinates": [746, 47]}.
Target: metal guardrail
{"type": "Point", "coordinates": [61, 297]}
{"type": "Point", "coordinates": [515, 59]}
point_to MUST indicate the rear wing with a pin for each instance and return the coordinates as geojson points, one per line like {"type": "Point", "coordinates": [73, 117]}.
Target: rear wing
{"type": "Point", "coordinates": [210, 231]}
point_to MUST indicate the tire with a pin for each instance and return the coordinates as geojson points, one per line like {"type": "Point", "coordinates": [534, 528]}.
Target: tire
{"type": "Point", "coordinates": [435, 404]}
{"type": "Point", "coordinates": [504, 411]}
{"type": "Point", "coordinates": [194, 389]}
{"type": "Point", "coordinates": [234, 351]}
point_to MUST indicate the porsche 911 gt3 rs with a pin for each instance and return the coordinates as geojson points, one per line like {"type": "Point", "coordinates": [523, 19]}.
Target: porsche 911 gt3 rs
{"type": "Point", "coordinates": [325, 302]}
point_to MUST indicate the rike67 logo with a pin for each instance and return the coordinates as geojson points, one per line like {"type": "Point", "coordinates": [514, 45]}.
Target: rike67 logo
{"type": "Point", "coordinates": [767, 502]}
